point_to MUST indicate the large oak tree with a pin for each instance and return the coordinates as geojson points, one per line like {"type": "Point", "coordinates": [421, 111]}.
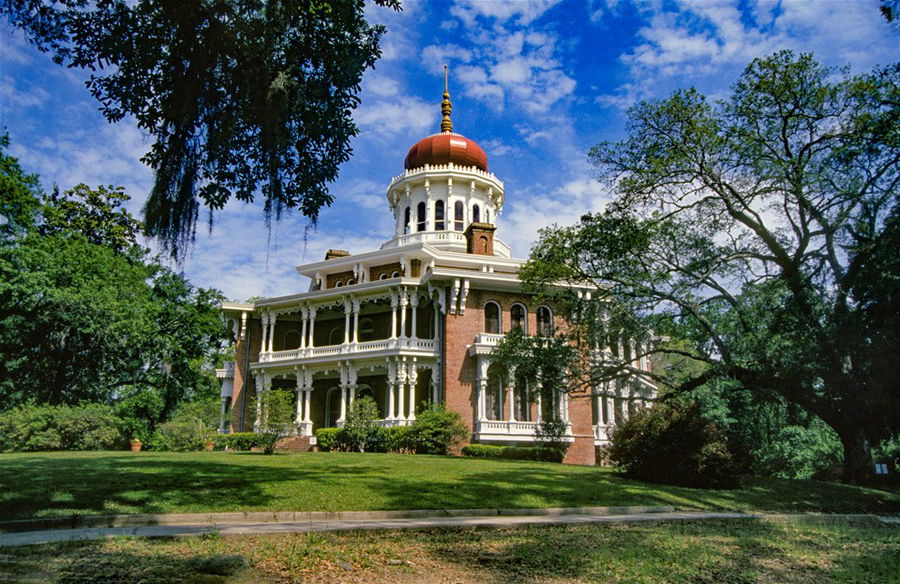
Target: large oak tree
{"type": "Point", "coordinates": [763, 229]}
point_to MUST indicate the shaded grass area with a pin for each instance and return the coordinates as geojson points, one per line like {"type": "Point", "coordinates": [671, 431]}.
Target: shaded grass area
{"type": "Point", "coordinates": [64, 484]}
{"type": "Point", "coordinates": [729, 552]}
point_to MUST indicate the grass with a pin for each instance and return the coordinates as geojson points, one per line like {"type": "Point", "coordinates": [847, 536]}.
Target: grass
{"type": "Point", "coordinates": [65, 484]}
{"type": "Point", "coordinates": [721, 552]}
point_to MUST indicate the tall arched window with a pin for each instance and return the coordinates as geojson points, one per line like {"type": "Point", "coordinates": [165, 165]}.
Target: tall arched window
{"type": "Point", "coordinates": [459, 214]}
{"type": "Point", "coordinates": [406, 221]}
{"type": "Point", "coordinates": [292, 339]}
{"type": "Point", "coordinates": [420, 217]}
{"type": "Point", "coordinates": [476, 214]}
{"type": "Point", "coordinates": [518, 318]}
{"type": "Point", "coordinates": [439, 216]}
{"type": "Point", "coordinates": [492, 318]}
{"type": "Point", "coordinates": [544, 321]}
{"type": "Point", "coordinates": [366, 329]}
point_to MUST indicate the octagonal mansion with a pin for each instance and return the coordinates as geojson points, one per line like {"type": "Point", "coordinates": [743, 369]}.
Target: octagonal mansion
{"type": "Point", "coordinates": [414, 322]}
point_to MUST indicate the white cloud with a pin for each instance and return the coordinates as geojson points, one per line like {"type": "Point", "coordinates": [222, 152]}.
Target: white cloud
{"type": "Point", "coordinates": [400, 115]}
{"type": "Point", "coordinates": [523, 12]}
{"type": "Point", "coordinates": [13, 95]}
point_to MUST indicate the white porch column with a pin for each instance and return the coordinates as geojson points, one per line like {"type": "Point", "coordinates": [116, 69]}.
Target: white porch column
{"type": "Point", "coordinates": [394, 303]}
{"type": "Point", "coordinates": [481, 387]}
{"type": "Point", "coordinates": [540, 409]}
{"type": "Point", "coordinates": [347, 311]}
{"type": "Point", "coordinates": [272, 317]}
{"type": "Point", "coordinates": [565, 406]}
{"type": "Point", "coordinates": [223, 409]}
{"type": "Point", "coordinates": [511, 396]}
{"type": "Point", "coordinates": [351, 383]}
{"type": "Point", "coordinates": [414, 302]}
{"type": "Point", "coordinates": [404, 302]}
{"type": "Point", "coordinates": [312, 324]}
{"type": "Point", "coordinates": [304, 313]}
{"type": "Point", "coordinates": [307, 401]}
{"type": "Point", "coordinates": [412, 378]}
{"type": "Point", "coordinates": [260, 385]}
{"type": "Point", "coordinates": [343, 386]}
{"type": "Point", "coordinates": [401, 386]}
{"type": "Point", "coordinates": [391, 388]}
{"type": "Point", "coordinates": [356, 304]}
{"type": "Point", "coordinates": [301, 386]}
{"type": "Point", "coordinates": [264, 324]}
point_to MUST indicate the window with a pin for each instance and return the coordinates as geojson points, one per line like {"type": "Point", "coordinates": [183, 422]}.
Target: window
{"type": "Point", "coordinates": [476, 214]}
{"type": "Point", "coordinates": [420, 217]}
{"type": "Point", "coordinates": [339, 283]}
{"type": "Point", "coordinates": [332, 407]}
{"type": "Point", "coordinates": [292, 339]}
{"type": "Point", "coordinates": [518, 318]}
{"type": "Point", "coordinates": [544, 322]}
{"type": "Point", "coordinates": [382, 276]}
{"type": "Point", "coordinates": [406, 221]}
{"type": "Point", "coordinates": [396, 274]}
{"type": "Point", "coordinates": [336, 336]}
{"type": "Point", "coordinates": [351, 281]}
{"type": "Point", "coordinates": [366, 329]}
{"type": "Point", "coordinates": [522, 401]}
{"type": "Point", "coordinates": [492, 318]}
{"type": "Point", "coordinates": [439, 216]}
{"type": "Point", "coordinates": [459, 216]}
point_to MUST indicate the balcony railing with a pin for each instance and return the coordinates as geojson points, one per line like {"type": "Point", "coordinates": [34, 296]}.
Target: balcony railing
{"type": "Point", "coordinates": [518, 431]}
{"type": "Point", "coordinates": [602, 433]}
{"type": "Point", "coordinates": [349, 349]}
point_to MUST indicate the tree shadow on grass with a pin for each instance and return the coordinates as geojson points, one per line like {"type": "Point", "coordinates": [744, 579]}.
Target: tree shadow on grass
{"type": "Point", "coordinates": [713, 552]}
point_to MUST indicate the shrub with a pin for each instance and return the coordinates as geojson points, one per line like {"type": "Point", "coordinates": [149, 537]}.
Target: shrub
{"type": "Point", "coordinates": [396, 439]}
{"type": "Point", "coordinates": [361, 431]}
{"type": "Point", "coordinates": [436, 431]}
{"type": "Point", "coordinates": [550, 433]}
{"type": "Point", "coordinates": [674, 444]}
{"type": "Point", "coordinates": [798, 452]}
{"type": "Point", "coordinates": [83, 427]}
{"type": "Point", "coordinates": [482, 451]}
{"type": "Point", "coordinates": [241, 441]}
{"type": "Point", "coordinates": [330, 439]}
{"type": "Point", "coordinates": [182, 435]}
{"type": "Point", "coordinates": [278, 421]}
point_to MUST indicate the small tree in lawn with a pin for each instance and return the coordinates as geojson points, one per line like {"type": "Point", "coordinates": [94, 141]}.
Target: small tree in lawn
{"type": "Point", "coordinates": [360, 427]}
{"type": "Point", "coordinates": [277, 418]}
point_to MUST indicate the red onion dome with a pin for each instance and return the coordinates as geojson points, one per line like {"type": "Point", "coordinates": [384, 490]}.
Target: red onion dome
{"type": "Point", "coordinates": [444, 148]}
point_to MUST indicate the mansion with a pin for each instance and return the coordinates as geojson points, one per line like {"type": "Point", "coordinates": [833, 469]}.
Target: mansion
{"type": "Point", "coordinates": [413, 322]}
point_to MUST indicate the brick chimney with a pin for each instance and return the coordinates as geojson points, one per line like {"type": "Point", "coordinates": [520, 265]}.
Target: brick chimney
{"type": "Point", "coordinates": [480, 238]}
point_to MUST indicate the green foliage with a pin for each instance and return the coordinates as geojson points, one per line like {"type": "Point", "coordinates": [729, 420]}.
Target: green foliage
{"type": "Point", "coordinates": [139, 412]}
{"type": "Point", "coordinates": [241, 99]}
{"type": "Point", "coordinates": [396, 439]}
{"type": "Point", "coordinates": [240, 441]}
{"type": "Point", "coordinates": [759, 237]}
{"type": "Point", "coordinates": [673, 444]}
{"type": "Point", "coordinates": [436, 431]}
{"type": "Point", "coordinates": [482, 450]}
{"type": "Point", "coordinates": [278, 418]}
{"type": "Point", "coordinates": [83, 427]}
{"type": "Point", "coordinates": [182, 435]}
{"type": "Point", "coordinates": [801, 452]}
{"type": "Point", "coordinates": [96, 215]}
{"type": "Point", "coordinates": [329, 439]}
{"type": "Point", "coordinates": [20, 196]}
{"type": "Point", "coordinates": [361, 430]}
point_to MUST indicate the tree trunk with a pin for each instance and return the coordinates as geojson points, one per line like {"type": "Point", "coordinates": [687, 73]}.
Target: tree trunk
{"type": "Point", "coordinates": [858, 467]}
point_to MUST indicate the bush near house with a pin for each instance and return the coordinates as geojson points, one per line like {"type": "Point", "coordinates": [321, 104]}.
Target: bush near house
{"type": "Point", "coordinates": [395, 439]}
{"type": "Point", "coordinates": [673, 444]}
{"type": "Point", "coordinates": [30, 428]}
{"type": "Point", "coordinates": [436, 431]}
{"type": "Point", "coordinates": [329, 439]}
{"type": "Point", "coordinates": [540, 453]}
{"type": "Point", "coordinates": [240, 441]}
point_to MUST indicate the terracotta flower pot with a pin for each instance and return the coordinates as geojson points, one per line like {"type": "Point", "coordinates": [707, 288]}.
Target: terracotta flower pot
{"type": "Point", "coordinates": [136, 445]}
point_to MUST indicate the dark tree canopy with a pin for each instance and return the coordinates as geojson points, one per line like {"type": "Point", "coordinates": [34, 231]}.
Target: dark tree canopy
{"type": "Point", "coordinates": [95, 214]}
{"type": "Point", "coordinates": [762, 229]}
{"type": "Point", "coordinates": [241, 97]}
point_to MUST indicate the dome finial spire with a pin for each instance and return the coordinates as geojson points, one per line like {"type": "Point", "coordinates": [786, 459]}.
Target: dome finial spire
{"type": "Point", "coordinates": [446, 108]}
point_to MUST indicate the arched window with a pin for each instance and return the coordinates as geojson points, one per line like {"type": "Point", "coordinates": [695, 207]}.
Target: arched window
{"type": "Point", "coordinates": [518, 318]}
{"type": "Point", "coordinates": [332, 407]}
{"type": "Point", "coordinates": [522, 403]}
{"type": "Point", "coordinates": [420, 217]}
{"type": "Point", "coordinates": [351, 281]}
{"type": "Point", "coordinates": [439, 216]}
{"type": "Point", "coordinates": [544, 321]}
{"type": "Point", "coordinates": [482, 246]}
{"type": "Point", "coordinates": [339, 283]}
{"type": "Point", "coordinates": [476, 214]}
{"type": "Point", "coordinates": [382, 276]}
{"type": "Point", "coordinates": [336, 336]}
{"type": "Point", "coordinates": [406, 221]}
{"type": "Point", "coordinates": [292, 339]}
{"type": "Point", "coordinates": [492, 318]}
{"type": "Point", "coordinates": [396, 274]}
{"type": "Point", "coordinates": [459, 216]}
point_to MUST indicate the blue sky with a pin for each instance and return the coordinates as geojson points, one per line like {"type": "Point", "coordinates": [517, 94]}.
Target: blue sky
{"type": "Point", "coordinates": [536, 84]}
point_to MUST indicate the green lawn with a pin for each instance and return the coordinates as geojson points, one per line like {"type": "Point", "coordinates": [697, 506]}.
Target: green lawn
{"type": "Point", "coordinates": [714, 552]}
{"type": "Point", "coordinates": [63, 484]}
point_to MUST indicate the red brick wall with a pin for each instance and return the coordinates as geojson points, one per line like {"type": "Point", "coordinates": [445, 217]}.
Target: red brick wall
{"type": "Point", "coordinates": [242, 373]}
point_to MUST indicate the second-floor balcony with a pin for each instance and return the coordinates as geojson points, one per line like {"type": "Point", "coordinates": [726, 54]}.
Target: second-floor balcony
{"type": "Point", "coordinates": [411, 346]}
